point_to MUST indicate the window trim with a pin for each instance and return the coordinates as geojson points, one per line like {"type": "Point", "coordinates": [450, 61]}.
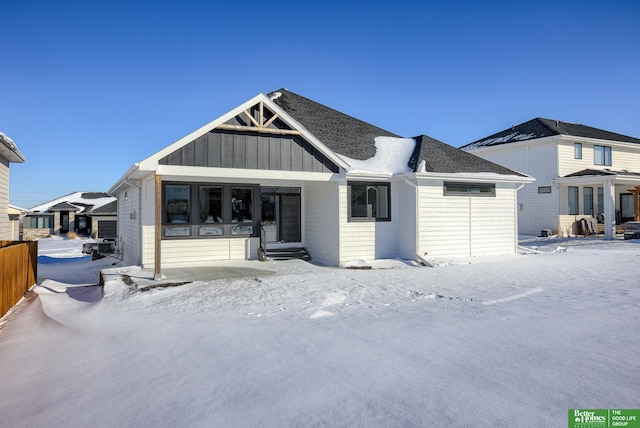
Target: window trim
{"type": "Point", "coordinates": [368, 217]}
{"type": "Point", "coordinates": [606, 158]}
{"type": "Point", "coordinates": [195, 229]}
{"type": "Point", "coordinates": [577, 150]}
{"type": "Point", "coordinates": [577, 200]}
{"type": "Point", "coordinates": [467, 189]}
{"type": "Point", "coordinates": [544, 189]}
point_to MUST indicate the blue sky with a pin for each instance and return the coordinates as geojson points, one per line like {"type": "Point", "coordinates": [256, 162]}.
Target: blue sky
{"type": "Point", "coordinates": [87, 88]}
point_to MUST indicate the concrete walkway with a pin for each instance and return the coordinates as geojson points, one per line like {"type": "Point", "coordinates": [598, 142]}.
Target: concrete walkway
{"type": "Point", "coordinates": [177, 276]}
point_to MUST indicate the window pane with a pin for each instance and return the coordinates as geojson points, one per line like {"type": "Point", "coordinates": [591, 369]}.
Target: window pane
{"type": "Point", "coordinates": [177, 204]}
{"type": "Point", "coordinates": [607, 156]}
{"type": "Point", "coordinates": [578, 150]}
{"type": "Point", "coordinates": [573, 200]}
{"type": "Point", "coordinates": [598, 155]}
{"type": "Point", "coordinates": [358, 201]}
{"type": "Point", "coordinates": [241, 201]}
{"type": "Point", "coordinates": [210, 200]}
{"type": "Point", "coordinates": [600, 200]}
{"type": "Point", "coordinates": [588, 200]}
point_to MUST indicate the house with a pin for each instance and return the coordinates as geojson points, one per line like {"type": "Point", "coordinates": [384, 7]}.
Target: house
{"type": "Point", "coordinates": [84, 213]}
{"type": "Point", "coordinates": [281, 170]}
{"type": "Point", "coordinates": [8, 153]}
{"type": "Point", "coordinates": [15, 222]}
{"type": "Point", "coordinates": [580, 172]}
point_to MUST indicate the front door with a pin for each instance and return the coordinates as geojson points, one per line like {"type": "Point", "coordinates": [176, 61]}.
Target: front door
{"type": "Point", "coordinates": [281, 214]}
{"type": "Point", "coordinates": [64, 221]}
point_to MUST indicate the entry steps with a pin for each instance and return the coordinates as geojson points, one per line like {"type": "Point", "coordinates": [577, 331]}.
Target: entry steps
{"type": "Point", "coordinates": [289, 253]}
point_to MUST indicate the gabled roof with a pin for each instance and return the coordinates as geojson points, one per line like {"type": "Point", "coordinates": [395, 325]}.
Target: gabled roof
{"type": "Point", "coordinates": [442, 158]}
{"type": "Point", "coordinates": [64, 206]}
{"type": "Point", "coordinates": [110, 208]}
{"type": "Point", "coordinates": [540, 128]}
{"type": "Point", "coordinates": [342, 133]}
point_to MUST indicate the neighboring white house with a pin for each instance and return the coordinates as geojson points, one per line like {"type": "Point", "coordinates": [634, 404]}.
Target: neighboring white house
{"type": "Point", "coordinates": [84, 213]}
{"type": "Point", "coordinates": [8, 153]}
{"type": "Point", "coordinates": [580, 172]}
{"type": "Point", "coordinates": [281, 170]}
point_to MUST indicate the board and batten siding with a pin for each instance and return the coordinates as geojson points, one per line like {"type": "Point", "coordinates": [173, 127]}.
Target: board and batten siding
{"type": "Point", "coordinates": [459, 226]}
{"type": "Point", "coordinates": [5, 230]}
{"type": "Point", "coordinates": [230, 149]}
{"type": "Point", "coordinates": [321, 222]}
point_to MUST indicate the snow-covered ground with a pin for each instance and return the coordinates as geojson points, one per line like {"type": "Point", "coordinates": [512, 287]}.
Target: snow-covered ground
{"type": "Point", "coordinates": [484, 342]}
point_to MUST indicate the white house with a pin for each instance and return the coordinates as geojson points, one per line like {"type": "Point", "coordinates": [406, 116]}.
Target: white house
{"type": "Point", "coordinates": [580, 172]}
{"type": "Point", "coordinates": [8, 153]}
{"type": "Point", "coordinates": [84, 213]}
{"type": "Point", "coordinates": [281, 170]}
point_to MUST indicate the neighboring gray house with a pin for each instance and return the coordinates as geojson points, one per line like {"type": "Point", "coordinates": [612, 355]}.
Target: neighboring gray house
{"type": "Point", "coordinates": [85, 213]}
{"type": "Point", "coordinates": [8, 153]}
{"type": "Point", "coordinates": [580, 172]}
{"type": "Point", "coordinates": [282, 171]}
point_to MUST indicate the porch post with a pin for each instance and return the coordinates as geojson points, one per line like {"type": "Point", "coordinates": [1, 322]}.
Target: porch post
{"type": "Point", "coordinates": [157, 274]}
{"type": "Point", "coordinates": [609, 209]}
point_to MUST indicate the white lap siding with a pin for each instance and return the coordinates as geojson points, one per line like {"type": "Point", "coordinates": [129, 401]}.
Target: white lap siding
{"type": "Point", "coordinates": [4, 199]}
{"type": "Point", "coordinates": [321, 225]}
{"type": "Point", "coordinates": [460, 226]}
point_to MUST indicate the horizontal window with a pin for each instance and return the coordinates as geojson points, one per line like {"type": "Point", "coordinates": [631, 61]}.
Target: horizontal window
{"type": "Point", "coordinates": [544, 189]}
{"type": "Point", "coordinates": [369, 201]}
{"type": "Point", "coordinates": [469, 189]}
{"type": "Point", "coordinates": [39, 222]}
{"type": "Point", "coordinates": [208, 210]}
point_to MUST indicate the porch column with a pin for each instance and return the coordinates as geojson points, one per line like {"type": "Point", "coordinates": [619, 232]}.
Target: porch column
{"type": "Point", "coordinates": [157, 274]}
{"type": "Point", "coordinates": [609, 209]}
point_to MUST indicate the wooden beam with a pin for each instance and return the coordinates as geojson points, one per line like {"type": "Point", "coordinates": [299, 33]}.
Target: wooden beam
{"type": "Point", "coordinates": [270, 121]}
{"type": "Point", "coordinates": [261, 114]}
{"type": "Point", "coordinates": [157, 269]}
{"type": "Point", "coordinates": [258, 129]}
{"type": "Point", "coordinates": [252, 119]}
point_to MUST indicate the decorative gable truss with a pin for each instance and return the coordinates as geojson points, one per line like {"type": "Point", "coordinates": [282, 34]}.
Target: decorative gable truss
{"type": "Point", "coordinates": [256, 137]}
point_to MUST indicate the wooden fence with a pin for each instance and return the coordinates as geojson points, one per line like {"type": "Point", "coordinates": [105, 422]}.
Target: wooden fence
{"type": "Point", "coordinates": [18, 271]}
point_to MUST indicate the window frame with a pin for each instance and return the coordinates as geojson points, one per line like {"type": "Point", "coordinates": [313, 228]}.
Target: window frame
{"type": "Point", "coordinates": [577, 150]}
{"type": "Point", "coordinates": [544, 190]}
{"type": "Point", "coordinates": [368, 186]}
{"type": "Point", "coordinates": [573, 204]}
{"type": "Point", "coordinates": [587, 200]}
{"type": "Point", "coordinates": [196, 228]}
{"type": "Point", "coordinates": [463, 188]}
{"type": "Point", "coordinates": [602, 155]}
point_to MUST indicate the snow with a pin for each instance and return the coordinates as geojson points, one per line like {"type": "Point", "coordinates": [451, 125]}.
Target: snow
{"type": "Point", "coordinates": [491, 341]}
{"type": "Point", "coordinates": [392, 157]}
{"type": "Point", "coordinates": [75, 198]}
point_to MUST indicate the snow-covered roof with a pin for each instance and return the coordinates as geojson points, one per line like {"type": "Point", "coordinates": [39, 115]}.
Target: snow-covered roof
{"type": "Point", "coordinates": [540, 128]}
{"type": "Point", "coordinates": [81, 202]}
{"type": "Point", "coordinates": [9, 150]}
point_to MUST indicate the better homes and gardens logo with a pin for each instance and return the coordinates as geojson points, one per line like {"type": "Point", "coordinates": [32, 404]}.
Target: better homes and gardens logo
{"type": "Point", "coordinates": [604, 418]}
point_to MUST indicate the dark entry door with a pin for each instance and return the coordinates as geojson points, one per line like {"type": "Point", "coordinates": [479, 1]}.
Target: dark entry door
{"type": "Point", "coordinates": [64, 221]}
{"type": "Point", "coordinates": [290, 215]}
{"type": "Point", "coordinates": [281, 218]}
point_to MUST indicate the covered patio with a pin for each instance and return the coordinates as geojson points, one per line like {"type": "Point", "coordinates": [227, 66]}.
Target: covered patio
{"type": "Point", "coordinates": [609, 197]}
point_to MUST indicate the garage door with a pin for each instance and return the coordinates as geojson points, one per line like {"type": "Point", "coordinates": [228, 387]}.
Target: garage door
{"type": "Point", "coordinates": [107, 229]}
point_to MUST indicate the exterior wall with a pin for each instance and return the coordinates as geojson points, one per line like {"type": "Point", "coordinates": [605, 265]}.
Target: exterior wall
{"type": "Point", "coordinates": [540, 160]}
{"type": "Point", "coordinates": [321, 222]}
{"type": "Point", "coordinates": [128, 224]}
{"type": "Point", "coordinates": [5, 232]}
{"type": "Point", "coordinates": [357, 239]}
{"type": "Point", "coordinates": [457, 226]}
{"type": "Point", "coordinates": [34, 234]}
{"type": "Point", "coordinates": [623, 157]}
{"type": "Point", "coordinates": [198, 252]}
{"type": "Point", "coordinates": [403, 214]}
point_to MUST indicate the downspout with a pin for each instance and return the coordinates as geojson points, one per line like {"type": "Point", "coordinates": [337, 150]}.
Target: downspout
{"type": "Point", "coordinates": [138, 218]}
{"type": "Point", "coordinates": [419, 257]}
